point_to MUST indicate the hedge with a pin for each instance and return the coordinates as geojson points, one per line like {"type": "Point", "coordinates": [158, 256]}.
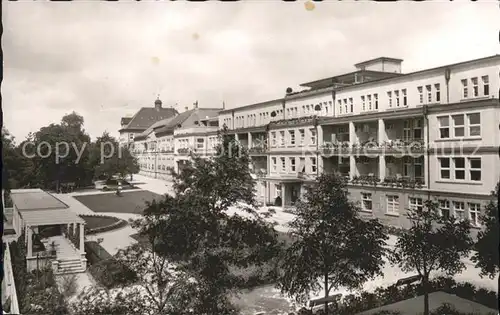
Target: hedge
{"type": "Point", "coordinates": [116, 225]}
{"type": "Point", "coordinates": [105, 269]}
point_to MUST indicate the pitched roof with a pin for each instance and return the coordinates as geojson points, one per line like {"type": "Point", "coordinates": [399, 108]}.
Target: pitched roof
{"type": "Point", "coordinates": [184, 119]}
{"type": "Point", "coordinates": [147, 116]}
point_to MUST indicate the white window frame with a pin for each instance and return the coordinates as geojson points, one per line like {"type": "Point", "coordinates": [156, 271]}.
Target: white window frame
{"type": "Point", "coordinates": [366, 199]}
{"type": "Point", "coordinates": [437, 88]}
{"type": "Point", "coordinates": [274, 164]}
{"type": "Point", "coordinates": [444, 204]}
{"type": "Point", "coordinates": [340, 106]}
{"type": "Point", "coordinates": [389, 97]}
{"type": "Point", "coordinates": [282, 138]}
{"type": "Point", "coordinates": [283, 164]}
{"type": "Point", "coordinates": [312, 132]}
{"type": "Point", "coordinates": [345, 105]}
{"type": "Point", "coordinates": [351, 104]}
{"type": "Point", "coordinates": [396, 95]}
{"type": "Point", "coordinates": [471, 125]}
{"type": "Point", "coordinates": [291, 134]}
{"type": "Point", "coordinates": [465, 90]}
{"type": "Point", "coordinates": [420, 90]}
{"type": "Point", "coordinates": [302, 136]}
{"type": "Point", "coordinates": [416, 203]}
{"type": "Point", "coordinates": [369, 97]}
{"type": "Point", "coordinates": [471, 169]}
{"type": "Point", "coordinates": [428, 88]}
{"type": "Point", "coordinates": [462, 169]}
{"type": "Point", "coordinates": [441, 168]}
{"type": "Point", "coordinates": [459, 208]}
{"type": "Point", "coordinates": [375, 97]}
{"type": "Point", "coordinates": [455, 126]}
{"type": "Point", "coordinates": [392, 204]}
{"type": "Point", "coordinates": [293, 167]}
{"type": "Point", "coordinates": [274, 140]}
{"type": "Point", "coordinates": [475, 86]}
{"type": "Point", "coordinates": [486, 85]}
{"type": "Point", "coordinates": [314, 164]}
{"type": "Point", "coordinates": [363, 102]}
{"type": "Point", "coordinates": [474, 208]}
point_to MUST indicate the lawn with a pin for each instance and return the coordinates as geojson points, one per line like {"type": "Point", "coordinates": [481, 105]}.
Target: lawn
{"type": "Point", "coordinates": [128, 202]}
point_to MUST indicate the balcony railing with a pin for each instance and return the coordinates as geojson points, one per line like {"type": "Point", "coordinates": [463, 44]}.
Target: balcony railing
{"type": "Point", "coordinates": [403, 182]}
{"type": "Point", "coordinates": [365, 180]}
{"type": "Point", "coordinates": [257, 150]}
{"type": "Point", "coordinates": [183, 150]}
{"type": "Point", "coordinates": [329, 147]}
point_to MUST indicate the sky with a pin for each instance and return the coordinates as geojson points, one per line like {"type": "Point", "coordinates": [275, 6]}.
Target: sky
{"type": "Point", "coordinates": [105, 60]}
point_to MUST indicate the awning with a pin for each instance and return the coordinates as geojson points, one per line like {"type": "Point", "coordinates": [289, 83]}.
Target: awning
{"type": "Point", "coordinates": [50, 217]}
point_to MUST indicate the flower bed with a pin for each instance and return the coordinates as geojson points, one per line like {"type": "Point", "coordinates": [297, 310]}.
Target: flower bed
{"type": "Point", "coordinates": [101, 223]}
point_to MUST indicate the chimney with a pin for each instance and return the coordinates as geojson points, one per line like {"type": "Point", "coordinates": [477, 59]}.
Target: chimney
{"type": "Point", "coordinates": [223, 105]}
{"type": "Point", "coordinates": [195, 104]}
{"type": "Point", "coordinates": [158, 104]}
{"type": "Point", "coordinates": [186, 108]}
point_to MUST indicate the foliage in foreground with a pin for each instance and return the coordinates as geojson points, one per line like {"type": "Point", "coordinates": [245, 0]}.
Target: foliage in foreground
{"type": "Point", "coordinates": [433, 243]}
{"type": "Point", "coordinates": [332, 246]}
{"type": "Point", "coordinates": [194, 230]}
{"type": "Point", "coordinates": [487, 253]}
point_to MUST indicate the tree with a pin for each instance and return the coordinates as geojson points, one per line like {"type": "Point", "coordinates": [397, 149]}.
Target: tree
{"type": "Point", "coordinates": [194, 230]}
{"type": "Point", "coordinates": [332, 246]}
{"type": "Point", "coordinates": [108, 158]}
{"type": "Point", "coordinates": [486, 256]}
{"type": "Point", "coordinates": [432, 243]}
{"type": "Point", "coordinates": [16, 167]}
{"type": "Point", "coordinates": [60, 153]}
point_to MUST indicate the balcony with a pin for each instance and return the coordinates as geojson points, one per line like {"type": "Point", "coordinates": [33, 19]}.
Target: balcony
{"type": "Point", "coordinates": [335, 148]}
{"type": "Point", "coordinates": [183, 150]}
{"type": "Point", "coordinates": [403, 182]}
{"type": "Point", "coordinates": [258, 150]}
{"type": "Point", "coordinates": [365, 180]}
{"type": "Point", "coordinates": [404, 146]}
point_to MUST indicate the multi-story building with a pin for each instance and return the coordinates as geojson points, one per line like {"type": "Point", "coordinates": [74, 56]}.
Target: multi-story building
{"type": "Point", "coordinates": [144, 118]}
{"type": "Point", "coordinates": [399, 138]}
{"type": "Point", "coordinates": [166, 144]}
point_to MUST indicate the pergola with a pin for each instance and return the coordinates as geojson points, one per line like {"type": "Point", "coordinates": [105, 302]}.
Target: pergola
{"type": "Point", "coordinates": [34, 219]}
{"type": "Point", "coordinates": [34, 208]}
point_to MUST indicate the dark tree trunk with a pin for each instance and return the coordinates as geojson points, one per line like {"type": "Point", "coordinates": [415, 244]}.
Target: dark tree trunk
{"type": "Point", "coordinates": [326, 293]}
{"type": "Point", "coordinates": [425, 284]}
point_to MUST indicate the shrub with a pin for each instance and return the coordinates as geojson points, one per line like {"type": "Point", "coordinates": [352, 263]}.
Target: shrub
{"type": "Point", "coordinates": [95, 252]}
{"type": "Point", "coordinates": [105, 223]}
{"type": "Point", "coordinates": [448, 309]}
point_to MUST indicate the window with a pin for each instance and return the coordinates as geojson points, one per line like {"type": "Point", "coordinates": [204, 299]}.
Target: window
{"type": "Point", "coordinates": [392, 204]}
{"type": "Point", "coordinates": [389, 96]}
{"type": "Point", "coordinates": [475, 87]}
{"type": "Point", "coordinates": [416, 204]}
{"type": "Point", "coordinates": [313, 136]}
{"type": "Point", "coordinates": [465, 91]}
{"type": "Point", "coordinates": [200, 143]}
{"type": "Point", "coordinates": [418, 168]}
{"type": "Point", "coordinates": [474, 121]}
{"type": "Point", "coordinates": [369, 102]}
{"type": "Point", "coordinates": [291, 133]}
{"type": "Point", "coordinates": [273, 138]}
{"type": "Point", "coordinates": [459, 210]}
{"type": "Point", "coordinates": [429, 93]}
{"type": "Point", "coordinates": [366, 201]}
{"type": "Point", "coordinates": [486, 85]}
{"type": "Point", "coordinates": [340, 106]}
{"type": "Point", "coordinates": [313, 165]}
{"type": "Point", "coordinates": [475, 169]}
{"type": "Point", "coordinates": [444, 164]}
{"type": "Point", "coordinates": [363, 102]}
{"type": "Point", "coordinates": [458, 125]}
{"type": "Point", "coordinates": [375, 96]}
{"type": "Point", "coordinates": [282, 138]}
{"type": "Point", "coordinates": [444, 208]}
{"type": "Point", "coordinates": [438, 92]}
{"type": "Point", "coordinates": [345, 105]}
{"type": "Point", "coordinates": [420, 94]}
{"type": "Point", "coordinates": [459, 165]}
{"type": "Point", "coordinates": [292, 164]}
{"type": "Point", "coordinates": [301, 136]}
{"type": "Point", "coordinates": [405, 100]}
{"type": "Point", "coordinates": [396, 95]}
{"type": "Point", "coordinates": [474, 213]}
{"type": "Point", "coordinates": [283, 164]}
{"type": "Point", "coordinates": [417, 129]}
{"type": "Point", "coordinates": [406, 130]}
{"type": "Point", "coordinates": [351, 104]}
{"type": "Point", "coordinates": [274, 164]}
